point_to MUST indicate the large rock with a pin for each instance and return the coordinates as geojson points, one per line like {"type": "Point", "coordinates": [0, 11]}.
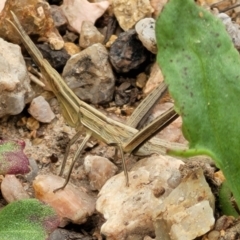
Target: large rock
{"type": "Point", "coordinates": [128, 210]}
{"type": "Point", "coordinates": [90, 75]}
{"type": "Point", "coordinates": [15, 90]}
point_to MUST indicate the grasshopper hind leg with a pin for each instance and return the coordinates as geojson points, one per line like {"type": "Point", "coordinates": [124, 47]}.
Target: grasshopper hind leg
{"type": "Point", "coordinates": [119, 147]}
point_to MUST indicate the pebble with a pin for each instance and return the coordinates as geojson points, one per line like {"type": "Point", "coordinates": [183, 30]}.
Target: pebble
{"type": "Point", "coordinates": [127, 52]}
{"type": "Point", "coordinates": [71, 204]}
{"type": "Point", "coordinates": [229, 231]}
{"type": "Point", "coordinates": [145, 29]}
{"type": "Point", "coordinates": [89, 35]}
{"type": "Point", "coordinates": [224, 223]}
{"type": "Point", "coordinates": [12, 189]}
{"type": "Point", "coordinates": [2, 3]}
{"type": "Point", "coordinates": [128, 209]}
{"type": "Point", "coordinates": [141, 80]}
{"type": "Point", "coordinates": [32, 124]}
{"type": "Point", "coordinates": [129, 12]}
{"type": "Point", "coordinates": [188, 211]}
{"type": "Point", "coordinates": [40, 110]}
{"type": "Point", "coordinates": [219, 177]}
{"type": "Point", "coordinates": [157, 5]}
{"type": "Point", "coordinates": [154, 79]}
{"type": "Point", "coordinates": [111, 41]}
{"type": "Point", "coordinates": [70, 37]}
{"type": "Point", "coordinates": [77, 11]}
{"type": "Point", "coordinates": [90, 76]}
{"type": "Point", "coordinates": [57, 59]}
{"type": "Point", "coordinates": [71, 48]}
{"type": "Point", "coordinates": [99, 170]}
{"type": "Point", "coordinates": [232, 28]}
{"type": "Point", "coordinates": [34, 170]}
{"type": "Point", "coordinates": [64, 234]}
{"type": "Point", "coordinates": [60, 21]}
{"type": "Point", "coordinates": [148, 238]}
{"type": "Point", "coordinates": [14, 81]}
{"type": "Point", "coordinates": [213, 235]}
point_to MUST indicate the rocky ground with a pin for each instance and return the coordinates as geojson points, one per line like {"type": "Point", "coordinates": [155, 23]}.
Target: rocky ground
{"type": "Point", "coordinates": [114, 70]}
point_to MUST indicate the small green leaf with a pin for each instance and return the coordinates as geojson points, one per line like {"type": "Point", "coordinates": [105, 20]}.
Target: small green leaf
{"type": "Point", "coordinates": [12, 158]}
{"type": "Point", "coordinates": [202, 68]}
{"type": "Point", "coordinates": [225, 202]}
{"type": "Point", "coordinates": [27, 219]}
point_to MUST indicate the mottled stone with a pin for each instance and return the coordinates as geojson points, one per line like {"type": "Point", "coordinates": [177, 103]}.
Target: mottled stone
{"type": "Point", "coordinates": [99, 170]}
{"type": "Point", "coordinates": [129, 12]}
{"type": "Point", "coordinates": [41, 110]}
{"type": "Point", "coordinates": [90, 76]}
{"type": "Point", "coordinates": [12, 189]}
{"type": "Point", "coordinates": [72, 204]}
{"type": "Point", "coordinates": [145, 29]}
{"type": "Point", "coordinates": [15, 86]}
{"type": "Point", "coordinates": [128, 209]}
{"type": "Point", "coordinates": [89, 35]}
{"type": "Point", "coordinates": [57, 59]}
{"type": "Point", "coordinates": [35, 18]}
{"type": "Point", "coordinates": [127, 52]}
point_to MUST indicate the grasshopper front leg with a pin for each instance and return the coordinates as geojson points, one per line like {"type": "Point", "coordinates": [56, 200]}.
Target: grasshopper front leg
{"type": "Point", "coordinates": [76, 157]}
{"type": "Point", "coordinates": [72, 141]}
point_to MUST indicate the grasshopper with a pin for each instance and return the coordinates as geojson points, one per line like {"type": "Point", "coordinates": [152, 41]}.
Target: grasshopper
{"type": "Point", "coordinates": [78, 113]}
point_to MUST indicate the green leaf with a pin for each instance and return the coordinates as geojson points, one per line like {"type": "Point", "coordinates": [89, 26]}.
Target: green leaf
{"type": "Point", "coordinates": [12, 158]}
{"type": "Point", "coordinates": [225, 201]}
{"type": "Point", "coordinates": [202, 68]}
{"type": "Point", "coordinates": [27, 219]}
